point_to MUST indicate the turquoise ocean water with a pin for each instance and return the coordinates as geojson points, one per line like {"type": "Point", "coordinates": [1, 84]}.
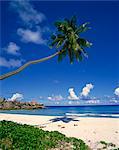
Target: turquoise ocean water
{"type": "Point", "coordinates": [82, 111]}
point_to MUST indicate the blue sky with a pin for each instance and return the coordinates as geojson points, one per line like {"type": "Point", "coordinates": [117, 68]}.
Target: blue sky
{"type": "Point", "coordinates": [26, 28]}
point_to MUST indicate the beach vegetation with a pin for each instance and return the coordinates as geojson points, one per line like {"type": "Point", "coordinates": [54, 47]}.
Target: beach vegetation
{"type": "Point", "coordinates": [14, 136]}
{"type": "Point", "coordinates": [107, 145]}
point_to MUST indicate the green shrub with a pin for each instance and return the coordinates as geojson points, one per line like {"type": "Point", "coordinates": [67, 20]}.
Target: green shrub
{"type": "Point", "coordinates": [14, 136]}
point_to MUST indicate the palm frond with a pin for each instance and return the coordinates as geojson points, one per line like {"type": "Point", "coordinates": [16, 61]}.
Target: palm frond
{"type": "Point", "coordinates": [53, 37]}
{"type": "Point", "coordinates": [84, 42]}
{"type": "Point", "coordinates": [83, 28]}
{"type": "Point", "coordinates": [73, 22]}
{"type": "Point", "coordinates": [68, 39]}
{"type": "Point", "coordinates": [62, 55]}
{"type": "Point", "coordinates": [71, 56]}
{"type": "Point", "coordinates": [84, 52]}
{"type": "Point", "coordinates": [78, 56]}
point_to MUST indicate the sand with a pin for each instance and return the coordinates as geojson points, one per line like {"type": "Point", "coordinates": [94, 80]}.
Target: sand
{"type": "Point", "coordinates": [91, 130]}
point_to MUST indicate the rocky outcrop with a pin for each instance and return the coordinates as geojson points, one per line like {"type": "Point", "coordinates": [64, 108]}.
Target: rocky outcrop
{"type": "Point", "coordinates": [11, 105]}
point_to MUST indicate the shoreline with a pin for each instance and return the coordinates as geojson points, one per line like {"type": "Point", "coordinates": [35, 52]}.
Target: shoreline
{"type": "Point", "coordinates": [90, 130]}
{"type": "Point", "coordinates": [81, 115]}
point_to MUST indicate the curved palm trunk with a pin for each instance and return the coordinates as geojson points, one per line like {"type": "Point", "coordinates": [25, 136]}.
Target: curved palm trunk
{"type": "Point", "coordinates": [26, 65]}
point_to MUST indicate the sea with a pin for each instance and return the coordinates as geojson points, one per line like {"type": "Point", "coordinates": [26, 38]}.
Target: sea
{"type": "Point", "coordinates": [108, 111]}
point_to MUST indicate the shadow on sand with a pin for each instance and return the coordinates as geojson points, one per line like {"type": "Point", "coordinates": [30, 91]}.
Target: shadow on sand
{"type": "Point", "coordinates": [64, 119]}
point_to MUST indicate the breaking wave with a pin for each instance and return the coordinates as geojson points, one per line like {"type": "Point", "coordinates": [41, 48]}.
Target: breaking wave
{"type": "Point", "coordinates": [93, 115]}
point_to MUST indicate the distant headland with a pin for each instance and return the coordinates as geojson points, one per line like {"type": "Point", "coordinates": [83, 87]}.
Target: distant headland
{"type": "Point", "coordinates": [16, 105]}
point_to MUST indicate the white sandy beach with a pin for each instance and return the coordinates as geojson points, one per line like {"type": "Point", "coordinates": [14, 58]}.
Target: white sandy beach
{"type": "Point", "coordinates": [91, 130]}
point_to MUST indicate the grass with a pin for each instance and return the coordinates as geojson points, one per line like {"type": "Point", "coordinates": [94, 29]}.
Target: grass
{"type": "Point", "coordinates": [14, 136]}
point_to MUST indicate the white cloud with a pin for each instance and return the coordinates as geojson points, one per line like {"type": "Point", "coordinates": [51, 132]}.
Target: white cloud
{"type": "Point", "coordinates": [28, 14]}
{"type": "Point", "coordinates": [12, 48]}
{"type": "Point", "coordinates": [10, 63]}
{"type": "Point", "coordinates": [55, 97]}
{"type": "Point", "coordinates": [16, 96]}
{"type": "Point", "coordinates": [93, 101]}
{"type": "Point", "coordinates": [31, 36]}
{"type": "Point", "coordinates": [31, 19]}
{"type": "Point", "coordinates": [116, 92]}
{"type": "Point", "coordinates": [49, 98]}
{"type": "Point", "coordinates": [70, 102]}
{"type": "Point", "coordinates": [57, 103]}
{"type": "Point", "coordinates": [40, 97]}
{"type": "Point", "coordinates": [72, 94]}
{"type": "Point", "coordinates": [114, 101]}
{"type": "Point", "coordinates": [107, 96]}
{"type": "Point", "coordinates": [86, 90]}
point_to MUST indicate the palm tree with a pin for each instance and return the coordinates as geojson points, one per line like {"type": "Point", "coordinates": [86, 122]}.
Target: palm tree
{"type": "Point", "coordinates": [66, 41]}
